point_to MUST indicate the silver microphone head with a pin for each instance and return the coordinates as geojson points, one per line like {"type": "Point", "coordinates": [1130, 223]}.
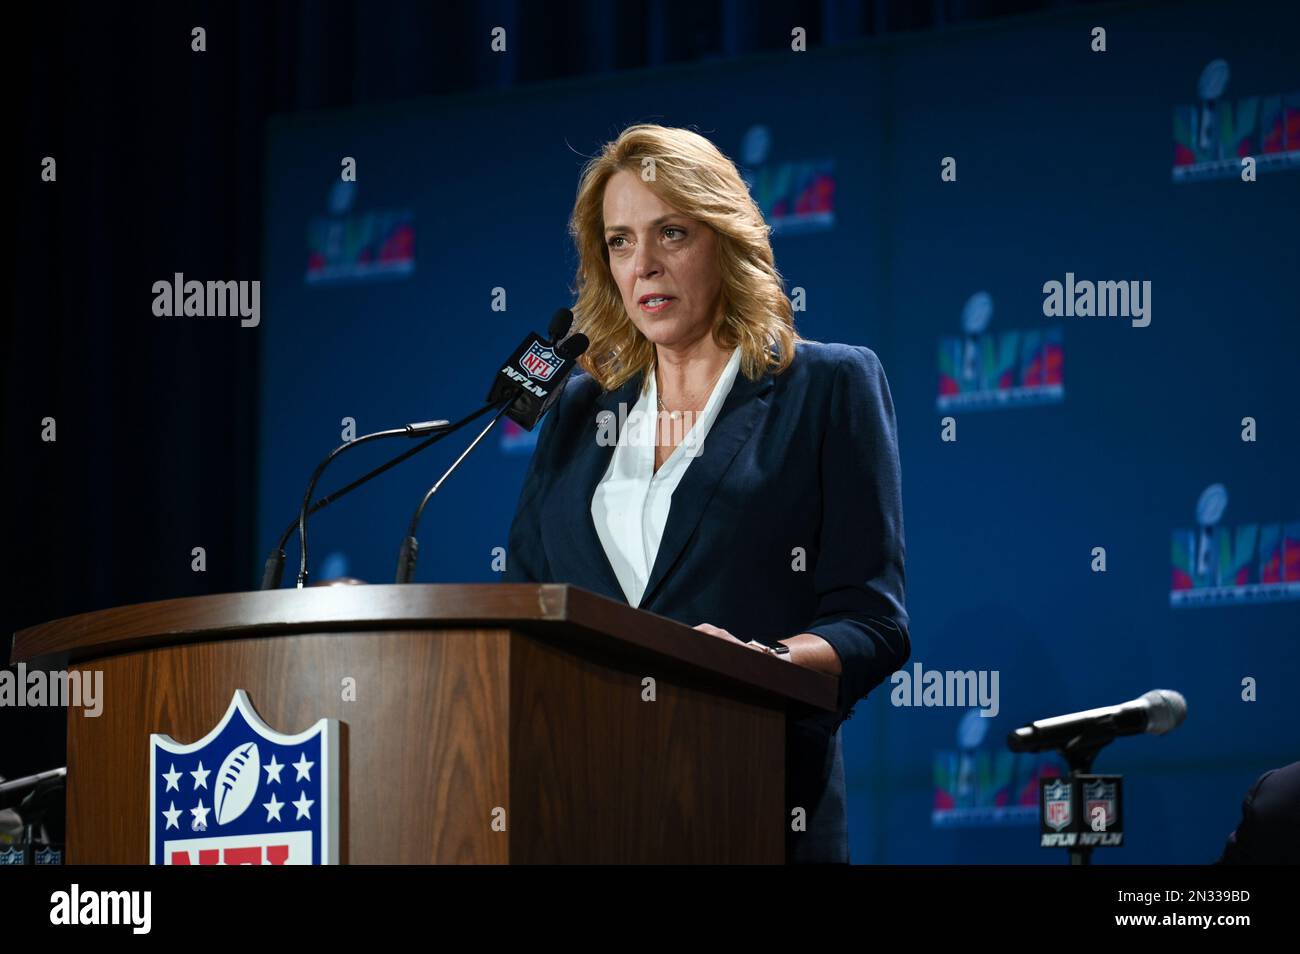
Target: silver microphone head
{"type": "Point", "coordinates": [1166, 710]}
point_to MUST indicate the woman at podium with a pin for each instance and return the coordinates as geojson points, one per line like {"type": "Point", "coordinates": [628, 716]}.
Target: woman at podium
{"type": "Point", "coordinates": [710, 465]}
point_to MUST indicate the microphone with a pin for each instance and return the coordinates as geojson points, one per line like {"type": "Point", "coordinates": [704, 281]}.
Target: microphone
{"type": "Point", "coordinates": [560, 324]}
{"type": "Point", "coordinates": [522, 398]}
{"type": "Point", "coordinates": [13, 791]}
{"type": "Point", "coordinates": [533, 376]}
{"type": "Point", "coordinates": [1158, 711]}
{"type": "Point", "coordinates": [273, 569]}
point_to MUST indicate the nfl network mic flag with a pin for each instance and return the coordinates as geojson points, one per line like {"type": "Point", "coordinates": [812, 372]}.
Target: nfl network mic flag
{"type": "Point", "coordinates": [536, 372]}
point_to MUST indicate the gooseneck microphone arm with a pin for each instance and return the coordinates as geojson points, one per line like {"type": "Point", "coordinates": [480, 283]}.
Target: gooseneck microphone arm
{"type": "Point", "coordinates": [273, 570]}
{"type": "Point", "coordinates": [311, 489]}
{"type": "Point", "coordinates": [410, 546]}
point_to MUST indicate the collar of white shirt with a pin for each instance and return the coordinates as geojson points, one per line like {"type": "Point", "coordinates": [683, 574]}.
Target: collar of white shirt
{"type": "Point", "coordinates": [631, 504]}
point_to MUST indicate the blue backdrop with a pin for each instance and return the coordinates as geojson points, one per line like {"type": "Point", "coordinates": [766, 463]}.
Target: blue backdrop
{"type": "Point", "coordinates": [1071, 433]}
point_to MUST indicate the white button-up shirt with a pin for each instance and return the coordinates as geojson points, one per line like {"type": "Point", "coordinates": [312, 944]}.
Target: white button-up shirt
{"type": "Point", "coordinates": [631, 503]}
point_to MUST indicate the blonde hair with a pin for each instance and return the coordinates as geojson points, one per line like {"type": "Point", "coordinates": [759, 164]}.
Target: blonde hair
{"type": "Point", "coordinates": [696, 179]}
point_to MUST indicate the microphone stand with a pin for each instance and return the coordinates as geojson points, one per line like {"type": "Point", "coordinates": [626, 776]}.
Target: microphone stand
{"type": "Point", "coordinates": [274, 568]}
{"type": "Point", "coordinates": [1079, 753]}
{"type": "Point", "coordinates": [411, 546]}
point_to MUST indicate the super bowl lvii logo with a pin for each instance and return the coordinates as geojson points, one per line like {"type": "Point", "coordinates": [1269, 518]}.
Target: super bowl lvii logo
{"type": "Point", "coordinates": [1212, 137]}
{"type": "Point", "coordinates": [984, 785]}
{"type": "Point", "coordinates": [1249, 563]}
{"type": "Point", "coordinates": [347, 245]}
{"type": "Point", "coordinates": [245, 794]}
{"type": "Point", "coordinates": [795, 196]}
{"type": "Point", "coordinates": [1006, 369]}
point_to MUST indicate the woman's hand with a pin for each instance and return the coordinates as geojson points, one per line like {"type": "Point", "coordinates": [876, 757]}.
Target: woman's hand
{"type": "Point", "coordinates": [723, 634]}
{"type": "Point", "coordinates": [807, 649]}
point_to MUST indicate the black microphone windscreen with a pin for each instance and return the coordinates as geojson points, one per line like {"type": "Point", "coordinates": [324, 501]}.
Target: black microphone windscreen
{"type": "Point", "coordinates": [561, 322]}
{"type": "Point", "coordinates": [571, 348]}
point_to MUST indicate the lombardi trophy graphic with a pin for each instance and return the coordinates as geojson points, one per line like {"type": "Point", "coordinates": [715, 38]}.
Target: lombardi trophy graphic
{"type": "Point", "coordinates": [1209, 510]}
{"type": "Point", "coordinates": [1214, 79]}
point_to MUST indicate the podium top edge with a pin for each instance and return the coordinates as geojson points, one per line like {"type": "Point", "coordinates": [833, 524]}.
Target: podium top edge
{"type": "Point", "coordinates": [546, 608]}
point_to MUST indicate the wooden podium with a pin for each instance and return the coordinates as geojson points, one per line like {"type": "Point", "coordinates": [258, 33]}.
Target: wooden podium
{"type": "Point", "coordinates": [468, 699]}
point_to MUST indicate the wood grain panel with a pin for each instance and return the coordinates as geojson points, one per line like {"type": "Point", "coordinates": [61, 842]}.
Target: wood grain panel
{"type": "Point", "coordinates": [600, 776]}
{"type": "Point", "coordinates": [423, 748]}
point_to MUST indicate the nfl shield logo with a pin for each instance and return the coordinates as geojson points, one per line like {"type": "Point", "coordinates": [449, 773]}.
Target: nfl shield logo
{"type": "Point", "coordinates": [1056, 804]}
{"type": "Point", "coordinates": [245, 794]}
{"type": "Point", "coordinates": [1100, 795]}
{"type": "Point", "coordinates": [540, 361]}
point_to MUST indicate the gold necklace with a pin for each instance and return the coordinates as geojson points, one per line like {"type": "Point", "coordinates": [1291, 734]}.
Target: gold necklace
{"type": "Point", "coordinates": [674, 415]}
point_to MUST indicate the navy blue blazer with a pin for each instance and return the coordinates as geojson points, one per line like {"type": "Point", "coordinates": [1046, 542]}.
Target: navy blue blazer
{"type": "Point", "coordinates": [804, 462]}
{"type": "Point", "coordinates": [1269, 833]}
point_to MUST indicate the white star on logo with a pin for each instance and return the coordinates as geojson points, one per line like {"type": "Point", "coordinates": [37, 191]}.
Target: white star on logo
{"type": "Point", "coordinates": [173, 778]}
{"type": "Point", "coordinates": [272, 769]}
{"type": "Point", "coordinates": [273, 808]}
{"type": "Point", "coordinates": [303, 767]}
{"type": "Point", "coordinates": [200, 814]}
{"type": "Point", "coordinates": [303, 804]}
{"type": "Point", "coordinates": [172, 814]}
{"type": "Point", "coordinates": [201, 776]}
